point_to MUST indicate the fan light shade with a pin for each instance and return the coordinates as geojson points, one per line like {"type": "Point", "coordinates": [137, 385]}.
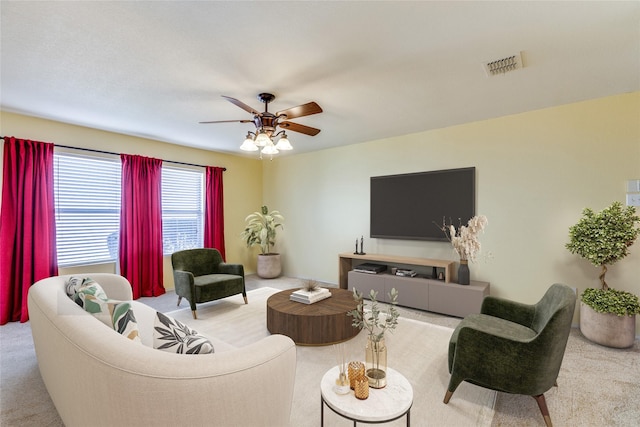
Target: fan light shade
{"type": "Point", "coordinates": [269, 149]}
{"type": "Point", "coordinates": [283, 143]}
{"type": "Point", "coordinates": [262, 139]}
{"type": "Point", "coordinates": [249, 145]}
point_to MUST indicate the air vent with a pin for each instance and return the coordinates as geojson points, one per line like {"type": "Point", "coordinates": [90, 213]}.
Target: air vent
{"type": "Point", "coordinates": [503, 65]}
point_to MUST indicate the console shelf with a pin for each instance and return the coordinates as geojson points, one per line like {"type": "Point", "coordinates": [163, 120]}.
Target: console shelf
{"type": "Point", "coordinates": [347, 264]}
{"type": "Point", "coordinates": [440, 296]}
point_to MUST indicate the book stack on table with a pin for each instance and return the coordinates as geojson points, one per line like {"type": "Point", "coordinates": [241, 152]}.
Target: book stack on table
{"type": "Point", "coordinates": [309, 297]}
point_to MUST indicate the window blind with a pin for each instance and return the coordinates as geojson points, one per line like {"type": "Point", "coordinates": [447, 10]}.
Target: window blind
{"type": "Point", "coordinates": [182, 209]}
{"type": "Point", "coordinates": [87, 203]}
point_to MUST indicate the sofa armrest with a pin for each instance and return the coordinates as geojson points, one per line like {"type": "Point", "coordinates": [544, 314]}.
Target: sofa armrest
{"type": "Point", "coordinates": [512, 311]}
{"type": "Point", "coordinates": [237, 269]}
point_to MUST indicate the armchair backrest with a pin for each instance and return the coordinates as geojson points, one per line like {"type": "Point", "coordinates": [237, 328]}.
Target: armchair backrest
{"type": "Point", "coordinates": [552, 320]}
{"type": "Point", "coordinates": [555, 307]}
{"type": "Point", "coordinates": [197, 261]}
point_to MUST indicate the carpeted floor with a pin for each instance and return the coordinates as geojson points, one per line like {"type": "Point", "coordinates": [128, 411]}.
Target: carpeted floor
{"type": "Point", "coordinates": [417, 349]}
{"type": "Point", "coordinates": [597, 385]}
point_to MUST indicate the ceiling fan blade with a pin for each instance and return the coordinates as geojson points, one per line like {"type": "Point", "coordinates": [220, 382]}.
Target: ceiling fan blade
{"type": "Point", "coordinates": [227, 121]}
{"type": "Point", "coordinates": [299, 128]}
{"type": "Point", "coordinates": [301, 111]}
{"type": "Point", "coordinates": [241, 104]}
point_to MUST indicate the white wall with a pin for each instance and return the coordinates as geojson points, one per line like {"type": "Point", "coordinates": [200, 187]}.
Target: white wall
{"type": "Point", "coordinates": [536, 171]}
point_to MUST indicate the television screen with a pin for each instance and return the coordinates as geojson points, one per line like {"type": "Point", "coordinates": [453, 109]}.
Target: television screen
{"type": "Point", "coordinates": [412, 206]}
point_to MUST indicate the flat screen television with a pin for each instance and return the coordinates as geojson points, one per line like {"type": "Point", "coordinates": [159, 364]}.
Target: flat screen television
{"type": "Point", "coordinates": [412, 206]}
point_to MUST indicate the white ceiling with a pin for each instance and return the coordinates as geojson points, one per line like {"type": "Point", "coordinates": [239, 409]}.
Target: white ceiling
{"type": "Point", "coordinates": [378, 69]}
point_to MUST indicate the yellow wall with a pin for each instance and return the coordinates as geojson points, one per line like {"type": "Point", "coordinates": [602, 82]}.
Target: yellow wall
{"type": "Point", "coordinates": [242, 189]}
{"type": "Point", "coordinates": [536, 171]}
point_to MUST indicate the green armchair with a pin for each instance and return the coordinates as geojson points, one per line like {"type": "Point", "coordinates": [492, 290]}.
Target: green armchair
{"type": "Point", "coordinates": [513, 347]}
{"type": "Point", "coordinates": [200, 275]}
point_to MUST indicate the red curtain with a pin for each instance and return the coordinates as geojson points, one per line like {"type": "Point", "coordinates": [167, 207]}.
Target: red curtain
{"type": "Point", "coordinates": [141, 225]}
{"type": "Point", "coordinates": [214, 210]}
{"type": "Point", "coordinates": [27, 224]}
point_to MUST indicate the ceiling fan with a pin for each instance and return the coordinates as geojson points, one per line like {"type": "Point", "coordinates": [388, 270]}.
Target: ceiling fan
{"type": "Point", "coordinates": [266, 124]}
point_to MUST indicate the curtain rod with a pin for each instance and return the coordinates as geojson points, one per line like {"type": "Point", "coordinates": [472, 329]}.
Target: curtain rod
{"type": "Point", "coordinates": [117, 154]}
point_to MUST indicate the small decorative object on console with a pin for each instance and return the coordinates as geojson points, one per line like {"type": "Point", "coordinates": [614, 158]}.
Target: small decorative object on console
{"type": "Point", "coordinates": [405, 272]}
{"type": "Point", "coordinates": [361, 251]}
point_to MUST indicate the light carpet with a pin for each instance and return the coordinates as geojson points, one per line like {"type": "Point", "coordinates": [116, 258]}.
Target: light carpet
{"type": "Point", "coordinates": [416, 349]}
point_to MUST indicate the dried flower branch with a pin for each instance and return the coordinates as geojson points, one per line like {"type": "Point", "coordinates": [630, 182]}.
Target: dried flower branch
{"type": "Point", "coordinates": [465, 239]}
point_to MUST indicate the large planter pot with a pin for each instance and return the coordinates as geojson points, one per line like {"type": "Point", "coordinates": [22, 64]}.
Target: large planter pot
{"type": "Point", "coordinates": [269, 266]}
{"type": "Point", "coordinates": [606, 328]}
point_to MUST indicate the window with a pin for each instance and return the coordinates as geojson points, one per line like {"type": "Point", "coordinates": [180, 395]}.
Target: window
{"type": "Point", "coordinates": [182, 209]}
{"type": "Point", "coordinates": [87, 203]}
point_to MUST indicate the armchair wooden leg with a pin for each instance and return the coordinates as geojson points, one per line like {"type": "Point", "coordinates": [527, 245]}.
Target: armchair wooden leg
{"type": "Point", "coordinates": [447, 396]}
{"type": "Point", "coordinates": [179, 300]}
{"type": "Point", "coordinates": [194, 314]}
{"type": "Point", "coordinates": [542, 404]}
{"type": "Point", "coordinates": [245, 299]}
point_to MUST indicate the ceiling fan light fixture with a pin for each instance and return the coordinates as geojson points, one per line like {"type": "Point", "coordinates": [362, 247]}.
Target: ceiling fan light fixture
{"type": "Point", "coordinates": [283, 143]}
{"type": "Point", "coordinates": [267, 138]}
{"type": "Point", "coordinates": [249, 144]}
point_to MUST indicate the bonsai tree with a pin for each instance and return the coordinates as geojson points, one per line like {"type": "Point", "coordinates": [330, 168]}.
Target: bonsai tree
{"type": "Point", "coordinates": [604, 238]}
{"type": "Point", "coordinates": [261, 229]}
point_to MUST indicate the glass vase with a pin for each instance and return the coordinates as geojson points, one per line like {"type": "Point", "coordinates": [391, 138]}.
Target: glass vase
{"type": "Point", "coordinates": [376, 362]}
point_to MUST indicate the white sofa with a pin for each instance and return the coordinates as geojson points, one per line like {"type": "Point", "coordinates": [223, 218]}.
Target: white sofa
{"type": "Point", "coordinates": [97, 377]}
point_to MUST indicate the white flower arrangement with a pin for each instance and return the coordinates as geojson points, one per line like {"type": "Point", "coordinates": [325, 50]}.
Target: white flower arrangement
{"type": "Point", "coordinates": [465, 240]}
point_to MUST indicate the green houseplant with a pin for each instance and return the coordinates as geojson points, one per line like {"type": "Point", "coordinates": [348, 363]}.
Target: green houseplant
{"type": "Point", "coordinates": [261, 230]}
{"type": "Point", "coordinates": [376, 326]}
{"type": "Point", "coordinates": [603, 238]}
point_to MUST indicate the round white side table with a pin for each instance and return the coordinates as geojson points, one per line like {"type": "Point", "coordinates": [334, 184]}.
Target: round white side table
{"type": "Point", "coordinates": [383, 405]}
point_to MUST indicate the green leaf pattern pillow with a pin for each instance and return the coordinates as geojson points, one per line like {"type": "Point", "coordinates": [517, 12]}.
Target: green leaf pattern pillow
{"type": "Point", "coordinates": [88, 294]}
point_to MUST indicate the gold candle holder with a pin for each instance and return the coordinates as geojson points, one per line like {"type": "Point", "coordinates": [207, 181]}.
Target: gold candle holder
{"type": "Point", "coordinates": [356, 370]}
{"type": "Point", "coordinates": [362, 388]}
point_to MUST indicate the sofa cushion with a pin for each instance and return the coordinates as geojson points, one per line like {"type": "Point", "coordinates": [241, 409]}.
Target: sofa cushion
{"type": "Point", "coordinates": [175, 337]}
{"type": "Point", "coordinates": [118, 315]}
{"type": "Point", "coordinates": [72, 285]}
{"type": "Point", "coordinates": [90, 297]}
{"type": "Point", "coordinates": [84, 289]}
{"type": "Point", "coordinates": [123, 320]}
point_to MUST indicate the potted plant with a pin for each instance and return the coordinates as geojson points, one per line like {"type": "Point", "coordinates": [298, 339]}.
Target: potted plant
{"type": "Point", "coordinates": [376, 350]}
{"type": "Point", "coordinates": [261, 230]}
{"type": "Point", "coordinates": [607, 315]}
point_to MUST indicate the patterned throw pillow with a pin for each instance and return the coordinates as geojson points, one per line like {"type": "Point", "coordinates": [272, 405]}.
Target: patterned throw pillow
{"type": "Point", "coordinates": [172, 336]}
{"type": "Point", "coordinates": [123, 320]}
{"type": "Point", "coordinates": [90, 297]}
{"type": "Point", "coordinates": [118, 315]}
{"type": "Point", "coordinates": [74, 284]}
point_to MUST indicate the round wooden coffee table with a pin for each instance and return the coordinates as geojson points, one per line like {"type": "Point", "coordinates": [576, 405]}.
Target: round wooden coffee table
{"type": "Point", "coordinates": [321, 323]}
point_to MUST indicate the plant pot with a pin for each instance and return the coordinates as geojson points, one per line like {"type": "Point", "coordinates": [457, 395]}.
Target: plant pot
{"type": "Point", "coordinates": [607, 329]}
{"type": "Point", "coordinates": [269, 266]}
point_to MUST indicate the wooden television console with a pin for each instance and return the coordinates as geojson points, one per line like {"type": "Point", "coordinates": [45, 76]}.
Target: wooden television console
{"type": "Point", "coordinates": [439, 296]}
